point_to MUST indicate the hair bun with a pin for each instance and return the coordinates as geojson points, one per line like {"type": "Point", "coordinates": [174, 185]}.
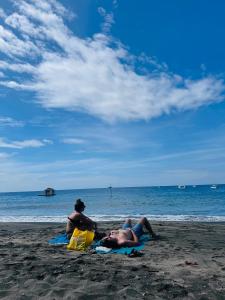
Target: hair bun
{"type": "Point", "coordinates": [79, 203]}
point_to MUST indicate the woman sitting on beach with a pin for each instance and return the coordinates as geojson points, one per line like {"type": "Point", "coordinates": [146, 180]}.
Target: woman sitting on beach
{"type": "Point", "coordinates": [128, 236]}
{"type": "Point", "coordinates": [78, 220]}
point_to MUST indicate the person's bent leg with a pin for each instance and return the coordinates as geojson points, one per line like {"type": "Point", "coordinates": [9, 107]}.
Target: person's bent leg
{"type": "Point", "coordinates": [138, 229]}
{"type": "Point", "coordinates": [127, 224]}
{"type": "Point", "coordinates": [144, 221]}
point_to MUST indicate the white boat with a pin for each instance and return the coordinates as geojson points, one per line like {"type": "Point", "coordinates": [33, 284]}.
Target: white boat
{"type": "Point", "coordinates": [213, 186]}
{"type": "Point", "coordinates": [181, 187]}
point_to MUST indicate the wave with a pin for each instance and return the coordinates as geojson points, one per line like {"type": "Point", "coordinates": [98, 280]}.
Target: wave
{"type": "Point", "coordinates": [103, 218]}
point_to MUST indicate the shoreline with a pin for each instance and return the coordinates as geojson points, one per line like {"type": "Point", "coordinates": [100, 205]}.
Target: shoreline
{"type": "Point", "coordinates": [114, 222]}
{"type": "Point", "coordinates": [187, 263]}
{"type": "Point", "coordinates": [116, 218]}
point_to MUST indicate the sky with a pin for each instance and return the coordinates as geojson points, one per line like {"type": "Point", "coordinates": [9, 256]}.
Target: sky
{"type": "Point", "coordinates": [96, 93]}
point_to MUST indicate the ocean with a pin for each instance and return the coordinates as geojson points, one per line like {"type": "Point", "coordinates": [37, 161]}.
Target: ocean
{"type": "Point", "coordinates": [168, 203]}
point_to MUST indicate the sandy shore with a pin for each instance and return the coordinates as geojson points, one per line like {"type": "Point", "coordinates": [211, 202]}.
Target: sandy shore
{"type": "Point", "coordinates": [188, 263]}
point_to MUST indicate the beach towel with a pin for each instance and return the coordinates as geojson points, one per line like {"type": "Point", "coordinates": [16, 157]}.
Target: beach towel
{"type": "Point", "coordinates": [124, 250]}
{"type": "Point", "coordinates": [80, 240]}
{"type": "Point", "coordinates": [60, 239]}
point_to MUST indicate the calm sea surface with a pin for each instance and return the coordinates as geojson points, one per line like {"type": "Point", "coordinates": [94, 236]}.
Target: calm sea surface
{"type": "Point", "coordinates": [200, 203]}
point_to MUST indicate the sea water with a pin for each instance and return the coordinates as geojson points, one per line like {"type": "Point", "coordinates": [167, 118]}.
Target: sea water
{"type": "Point", "coordinates": [200, 203]}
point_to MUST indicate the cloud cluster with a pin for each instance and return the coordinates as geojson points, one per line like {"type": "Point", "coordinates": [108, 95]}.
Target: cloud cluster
{"type": "Point", "coordinates": [95, 75]}
{"type": "Point", "coordinates": [7, 121]}
{"type": "Point", "coordinates": [33, 143]}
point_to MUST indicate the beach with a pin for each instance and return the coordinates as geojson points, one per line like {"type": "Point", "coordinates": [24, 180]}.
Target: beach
{"type": "Point", "coordinates": [188, 262]}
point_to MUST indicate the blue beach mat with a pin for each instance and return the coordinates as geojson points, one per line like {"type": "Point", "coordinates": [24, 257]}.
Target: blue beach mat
{"type": "Point", "coordinates": [124, 250]}
{"type": "Point", "coordinates": [60, 239]}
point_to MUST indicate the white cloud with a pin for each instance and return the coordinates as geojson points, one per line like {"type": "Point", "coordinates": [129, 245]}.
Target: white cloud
{"type": "Point", "coordinates": [95, 75]}
{"type": "Point", "coordinates": [7, 121]}
{"type": "Point", "coordinates": [20, 68]}
{"type": "Point", "coordinates": [2, 13]}
{"type": "Point", "coordinates": [15, 85]}
{"type": "Point", "coordinates": [22, 144]}
{"type": "Point", "coordinates": [52, 6]}
{"type": "Point", "coordinates": [108, 20]}
{"type": "Point", "coordinates": [4, 155]}
{"type": "Point", "coordinates": [47, 141]}
{"type": "Point", "coordinates": [12, 45]}
{"type": "Point", "coordinates": [18, 21]}
{"type": "Point", "coordinates": [73, 141]}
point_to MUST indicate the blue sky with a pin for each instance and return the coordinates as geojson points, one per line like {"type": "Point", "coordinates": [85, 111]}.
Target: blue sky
{"type": "Point", "coordinates": [98, 93]}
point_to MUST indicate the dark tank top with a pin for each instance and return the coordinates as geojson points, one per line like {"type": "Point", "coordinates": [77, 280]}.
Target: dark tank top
{"type": "Point", "coordinates": [75, 223]}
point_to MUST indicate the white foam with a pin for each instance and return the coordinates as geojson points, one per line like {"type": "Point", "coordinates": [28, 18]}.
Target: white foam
{"type": "Point", "coordinates": [35, 219]}
{"type": "Point", "coordinates": [63, 219]}
{"type": "Point", "coordinates": [186, 218]}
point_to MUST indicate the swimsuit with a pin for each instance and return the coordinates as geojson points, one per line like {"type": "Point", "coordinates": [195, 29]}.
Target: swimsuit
{"type": "Point", "coordinates": [137, 229]}
{"type": "Point", "coordinates": [75, 223]}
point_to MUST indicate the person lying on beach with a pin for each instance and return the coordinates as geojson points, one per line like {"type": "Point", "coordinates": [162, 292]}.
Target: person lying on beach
{"type": "Point", "coordinates": [128, 236]}
{"type": "Point", "coordinates": [78, 220]}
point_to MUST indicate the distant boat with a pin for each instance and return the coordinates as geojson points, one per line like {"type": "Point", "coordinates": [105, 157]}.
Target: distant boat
{"type": "Point", "coordinates": [181, 187]}
{"type": "Point", "coordinates": [48, 192]}
{"type": "Point", "coordinates": [110, 189]}
{"type": "Point", "coordinates": [194, 186]}
{"type": "Point", "coordinates": [213, 186]}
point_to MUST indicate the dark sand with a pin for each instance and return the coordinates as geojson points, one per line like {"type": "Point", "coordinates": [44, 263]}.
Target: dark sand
{"type": "Point", "coordinates": [188, 263]}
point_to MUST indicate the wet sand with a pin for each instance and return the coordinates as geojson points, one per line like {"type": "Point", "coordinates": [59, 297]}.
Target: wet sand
{"type": "Point", "coordinates": [187, 263]}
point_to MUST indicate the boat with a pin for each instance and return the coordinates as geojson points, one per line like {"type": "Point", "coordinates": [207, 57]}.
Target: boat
{"type": "Point", "coordinates": [213, 186]}
{"type": "Point", "coordinates": [194, 186]}
{"type": "Point", "coordinates": [181, 187]}
{"type": "Point", "coordinates": [48, 192]}
{"type": "Point", "coordinates": [110, 190]}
